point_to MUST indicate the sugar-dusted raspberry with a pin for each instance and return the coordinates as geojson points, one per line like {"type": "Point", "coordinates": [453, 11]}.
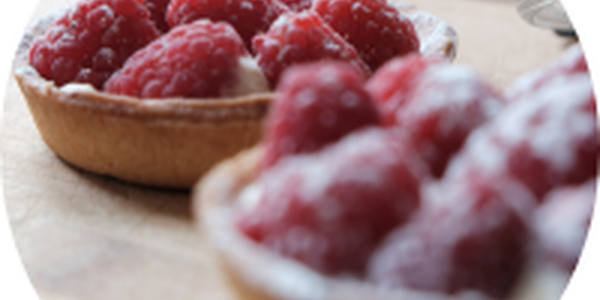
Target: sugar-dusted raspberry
{"type": "Point", "coordinates": [92, 40]}
{"type": "Point", "coordinates": [158, 10]}
{"type": "Point", "coordinates": [297, 5]}
{"type": "Point", "coordinates": [467, 237]}
{"type": "Point", "coordinates": [376, 29]}
{"type": "Point", "coordinates": [569, 64]}
{"type": "Point", "coordinates": [547, 140]}
{"type": "Point", "coordinates": [392, 84]}
{"type": "Point", "coordinates": [437, 103]}
{"type": "Point", "coordinates": [248, 17]}
{"type": "Point", "coordinates": [201, 59]}
{"type": "Point", "coordinates": [330, 209]}
{"type": "Point", "coordinates": [301, 37]}
{"type": "Point", "coordinates": [561, 224]}
{"type": "Point", "coordinates": [316, 104]}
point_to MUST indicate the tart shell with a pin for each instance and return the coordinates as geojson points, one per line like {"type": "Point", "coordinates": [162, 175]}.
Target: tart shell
{"type": "Point", "coordinates": [167, 143]}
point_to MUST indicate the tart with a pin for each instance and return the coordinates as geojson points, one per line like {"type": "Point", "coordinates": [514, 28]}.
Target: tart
{"type": "Point", "coordinates": [313, 222]}
{"type": "Point", "coordinates": [160, 142]}
{"type": "Point", "coordinates": [254, 272]}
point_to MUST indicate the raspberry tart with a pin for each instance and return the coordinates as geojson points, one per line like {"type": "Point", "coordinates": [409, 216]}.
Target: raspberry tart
{"type": "Point", "coordinates": [132, 89]}
{"type": "Point", "coordinates": [343, 210]}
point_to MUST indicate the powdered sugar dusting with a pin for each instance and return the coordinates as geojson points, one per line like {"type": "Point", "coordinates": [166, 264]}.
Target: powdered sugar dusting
{"type": "Point", "coordinates": [480, 156]}
{"type": "Point", "coordinates": [247, 5]}
{"type": "Point", "coordinates": [440, 106]}
{"type": "Point", "coordinates": [317, 177]}
{"type": "Point", "coordinates": [564, 120]}
{"type": "Point", "coordinates": [458, 85]}
{"type": "Point", "coordinates": [570, 62]}
{"type": "Point", "coordinates": [369, 151]}
{"type": "Point", "coordinates": [362, 186]}
{"type": "Point", "coordinates": [546, 138]}
{"type": "Point", "coordinates": [281, 21]}
{"type": "Point", "coordinates": [562, 221]}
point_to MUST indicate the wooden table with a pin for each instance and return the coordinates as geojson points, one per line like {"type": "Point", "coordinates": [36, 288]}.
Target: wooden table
{"type": "Point", "coordinates": [82, 236]}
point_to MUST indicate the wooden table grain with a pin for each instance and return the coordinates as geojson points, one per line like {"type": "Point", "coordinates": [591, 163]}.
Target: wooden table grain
{"type": "Point", "coordinates": [82, 236]}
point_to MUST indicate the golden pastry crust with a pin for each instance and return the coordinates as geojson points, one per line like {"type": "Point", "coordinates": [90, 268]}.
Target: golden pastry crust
{"type": "Point", "coordinates": [168, 142]}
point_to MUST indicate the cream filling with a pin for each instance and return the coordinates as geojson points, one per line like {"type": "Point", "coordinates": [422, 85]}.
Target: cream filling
{"type": "Point", "coordinates": [250, 79]}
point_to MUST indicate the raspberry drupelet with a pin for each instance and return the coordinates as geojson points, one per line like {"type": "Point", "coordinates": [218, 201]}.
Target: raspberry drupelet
{"type": "Point", "coordinates": [92, 40]}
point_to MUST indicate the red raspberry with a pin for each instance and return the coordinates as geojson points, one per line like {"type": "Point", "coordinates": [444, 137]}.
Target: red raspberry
{"type": "Point", "coordinates": [301, 37]}
{"type": "Point", "coordinates": [436, 103]}
{"type": "Point", "coordinates": [248, 17]}
{"type": "Point", "coordinates": [297, 5]}
{"type": "Point", "coordinates": [195, 60]}
{"type": "Point", "coordinates": [548, 140]}
{"type": "Point", "coordinates": [571, 63]}
{"type": "Point", "coordinates": [392, 84]}
{"type": "Point", "coordinates": [158, 10]}
{"type": "Point", "coordinates": [330, 209]}
{"type": "Point", "coordinates": [376, 29]}
{"type": "Point", "coordinates": [562, 221]}
{"type": "Point", "coordinates": [467, 237]}
{"type": "Point", "coordinates": [92, 40]}
{"type": "Point", "coordinates": [316, 104]}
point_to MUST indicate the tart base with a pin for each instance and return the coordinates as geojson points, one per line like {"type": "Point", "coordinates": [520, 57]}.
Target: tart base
{"type": "Point", "coordinates": [145, 145]}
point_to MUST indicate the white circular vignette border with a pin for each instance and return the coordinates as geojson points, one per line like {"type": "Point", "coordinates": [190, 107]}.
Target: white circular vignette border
{"type": "Point", "coordinates": [16, 285]}
{"type": "Point", "coordinates": [584, 282]}
{"type": "Point", "coordinates": [13, 21]}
